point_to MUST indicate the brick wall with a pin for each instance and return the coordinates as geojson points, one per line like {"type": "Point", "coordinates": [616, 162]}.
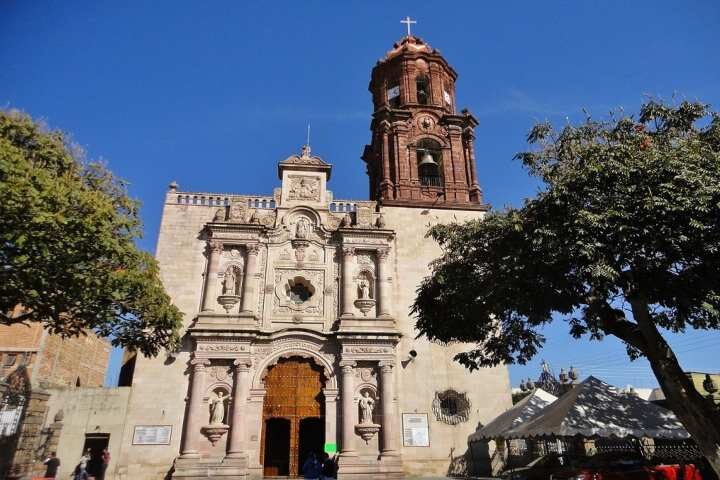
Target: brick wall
{"type": "Point", "coordinates": [52, 360]}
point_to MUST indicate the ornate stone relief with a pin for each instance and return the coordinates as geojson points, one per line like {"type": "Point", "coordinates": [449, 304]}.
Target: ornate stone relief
{"type": "Point", "coordinates": [365, 259]}
{"type": "Point", "coordinates": [364, 216]}
{"type": "Point", "coordinates": [366, 349]}
{"type": "Point", "coordinates": [238, 212]}
{"type": "Point", "coordinates": [332, 222]}
{"type": "Point", "coordinates": [292, 346]}
{"type": "Point", "coordinates": [224, 347]}
{"type": "Point", "coordinates": [304, 188]}
{"type": "Point", "coordinates": [219, 373]}
{"type": "Point", "coordinates": [264, 218]}
{"type": "Point", "coordinates": [366, 374]}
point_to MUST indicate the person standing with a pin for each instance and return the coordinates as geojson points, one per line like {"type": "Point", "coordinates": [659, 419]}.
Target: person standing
{"type": "Point", "coordinates": [311, 468]}
{"type": "Point", "coordinates": [81, 470]}
{"type": "Point", "coordinates": [329, 468]}
{"type": "Point", "coordinates": [51, 465]}
{"type": "Point", "coordinates": [105, 457]}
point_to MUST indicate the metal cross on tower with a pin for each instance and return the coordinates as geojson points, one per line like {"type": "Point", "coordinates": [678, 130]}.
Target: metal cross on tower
{"type": "Point", "coordinates": [409, 22]}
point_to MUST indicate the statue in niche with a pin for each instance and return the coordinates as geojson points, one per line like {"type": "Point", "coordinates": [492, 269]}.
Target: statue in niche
{"type": "Point", "coordinates": [367, 405]}
{"type": "Point", "coordinates": [364, 288]}
{"type": "Point", "coordinates": [302, 229]}
{"type": "Point", "coordinates": [217, 409]}
{"type": "Point", "coordinates": [231, 281]}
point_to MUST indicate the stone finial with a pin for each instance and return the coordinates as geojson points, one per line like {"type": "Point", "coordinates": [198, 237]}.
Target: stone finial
{"type": "Point", "coordinates": [380, 222]}
{"type": "Point", "coordinates": [173, 186]}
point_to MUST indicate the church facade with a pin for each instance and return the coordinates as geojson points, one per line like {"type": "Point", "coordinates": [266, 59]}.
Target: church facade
{"type": "Point", "coordinates": [298, 336]}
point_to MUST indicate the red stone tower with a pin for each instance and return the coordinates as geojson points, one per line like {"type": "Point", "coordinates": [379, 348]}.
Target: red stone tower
{"type": "Point", "coordinates": [422, 151]}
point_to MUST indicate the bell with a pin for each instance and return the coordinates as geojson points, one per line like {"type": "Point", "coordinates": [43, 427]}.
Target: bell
{"type": "Point", "coordinates": [427, 159]}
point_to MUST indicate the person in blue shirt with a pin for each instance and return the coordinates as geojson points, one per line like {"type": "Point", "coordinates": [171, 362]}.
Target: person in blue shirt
{"type": "Point", "coordinates": [311, 468]}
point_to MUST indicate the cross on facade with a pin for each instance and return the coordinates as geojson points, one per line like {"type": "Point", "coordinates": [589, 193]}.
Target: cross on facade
{"type": "Point", "coordinates": [408, 21]}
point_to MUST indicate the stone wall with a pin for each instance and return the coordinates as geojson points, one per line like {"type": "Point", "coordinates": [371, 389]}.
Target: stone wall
{"type": "Point", "coordinates": [160, 384]}
{"type": "Point", "coordinates": [433, 369]}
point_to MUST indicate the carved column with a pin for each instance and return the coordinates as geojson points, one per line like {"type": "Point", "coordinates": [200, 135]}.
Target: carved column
{"type": "Point", "coordinates": [215, 249]}
{"type": "Point", "coordinates": [389, 416]}
{"type": "Point", "coordinates": [249, 296]}
{"type": "Point", "coordinates": [384, 283]}
{"type": "Point", "coordinates": [386, 183]}
{"type": "Point", "coordinates": [347, 388]}
{"type": "Point", "coordinates": [347, 281]}
{"type": "Point", "coordinates": [195, 417]}
{"type": "Point", "coordinates": [240, 393]}
{"type": "Point", "coordinates": [330, 414]}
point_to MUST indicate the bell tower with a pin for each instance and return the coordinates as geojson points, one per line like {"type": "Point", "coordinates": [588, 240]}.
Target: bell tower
{"type": "Point", "coordinates": [422, 151]}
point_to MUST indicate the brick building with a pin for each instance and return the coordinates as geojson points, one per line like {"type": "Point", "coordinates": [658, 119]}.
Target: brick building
{"type": "Point", "coordinates": [32, 361]}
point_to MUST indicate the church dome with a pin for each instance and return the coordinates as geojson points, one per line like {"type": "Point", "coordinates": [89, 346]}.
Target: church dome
{"type": "Point", "coordinates": [408, 44]}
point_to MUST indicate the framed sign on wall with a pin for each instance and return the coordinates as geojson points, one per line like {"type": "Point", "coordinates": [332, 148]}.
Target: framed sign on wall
{"type": "Point", "coordinates": [152, 435]}
{"type": "Point", "coordinates": [416, 431]}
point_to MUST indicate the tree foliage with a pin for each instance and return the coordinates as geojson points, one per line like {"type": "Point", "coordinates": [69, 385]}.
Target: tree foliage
{"type": "Point", "coordinates": [67, 252]}
{"type": "Point", "coordinates": [623, 239]}
{"type": "Point", "coordinates": [629, 209]}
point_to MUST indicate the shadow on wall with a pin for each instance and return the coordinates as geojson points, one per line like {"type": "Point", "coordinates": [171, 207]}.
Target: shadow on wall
{"type": "Point", "coordinates": [458, 464]}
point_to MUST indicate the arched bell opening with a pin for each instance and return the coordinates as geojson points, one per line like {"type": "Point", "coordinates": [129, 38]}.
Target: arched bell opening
{"type": "Point", "coordinates": [429, 155]}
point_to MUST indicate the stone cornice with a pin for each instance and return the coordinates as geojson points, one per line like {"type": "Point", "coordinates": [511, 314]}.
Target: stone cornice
{"type": "Point", "coordinates": [482, 207]}
{"type": "Point", "coordinates": [235, 231]}
{"type": "Point", "coordinates": [360, 236]}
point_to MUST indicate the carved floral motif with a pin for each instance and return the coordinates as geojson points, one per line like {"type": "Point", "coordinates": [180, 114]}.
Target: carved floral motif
{"type": "Point", "coordinates": [366, 349]}
{"type": "Point", "coordinates": [221, 347]}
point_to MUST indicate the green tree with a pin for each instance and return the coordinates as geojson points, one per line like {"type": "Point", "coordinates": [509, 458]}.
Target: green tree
{"type": "Point", "coordinates": [622, 239]}
{"type": "Point", "coordinates": [67, 252]}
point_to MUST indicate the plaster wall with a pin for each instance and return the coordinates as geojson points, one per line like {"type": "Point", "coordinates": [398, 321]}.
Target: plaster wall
{"type": "Point", "coordinates": [88, 411]}
{"type": "Point", "coordinates": [433, 370]}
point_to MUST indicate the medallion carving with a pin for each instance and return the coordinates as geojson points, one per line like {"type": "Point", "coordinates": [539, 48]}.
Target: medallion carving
{"type": "Point", "coordinates": [220, 373]}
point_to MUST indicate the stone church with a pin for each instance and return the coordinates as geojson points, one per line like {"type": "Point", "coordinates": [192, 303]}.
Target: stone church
{"type": "Point", "coordinates": [298, 336]}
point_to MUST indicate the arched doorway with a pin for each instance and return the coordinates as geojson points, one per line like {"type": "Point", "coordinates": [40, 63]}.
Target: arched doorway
{"type": "Point", "coordinates": [293, 416]}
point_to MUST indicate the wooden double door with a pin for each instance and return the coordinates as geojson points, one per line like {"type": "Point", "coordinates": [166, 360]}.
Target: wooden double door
{"type": "Point", "coordinates": [293, 416]}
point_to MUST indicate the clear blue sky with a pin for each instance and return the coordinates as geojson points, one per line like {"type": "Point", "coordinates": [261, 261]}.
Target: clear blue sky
{"type": "Point", "coordinates": [213, 94]}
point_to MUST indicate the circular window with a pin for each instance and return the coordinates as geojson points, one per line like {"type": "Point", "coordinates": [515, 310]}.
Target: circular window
{"type": "Point", "coordinates": [299, 290]}
{"type": "Point", "coordinates": [451, 407]}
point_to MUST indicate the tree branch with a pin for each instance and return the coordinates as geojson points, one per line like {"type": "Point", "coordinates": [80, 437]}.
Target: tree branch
{"type": "Point", "coordinates": [613, 322]}
{"type": "Point", "coordinates": [9, 319]}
